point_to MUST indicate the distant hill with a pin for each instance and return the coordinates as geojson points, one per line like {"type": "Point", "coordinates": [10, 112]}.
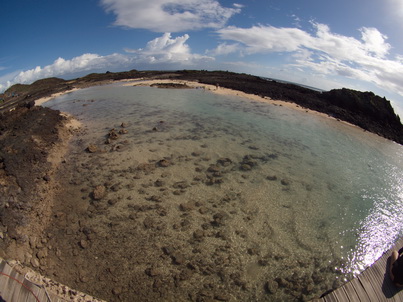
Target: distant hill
{"type": "Point", "coordinates": [364, 109]}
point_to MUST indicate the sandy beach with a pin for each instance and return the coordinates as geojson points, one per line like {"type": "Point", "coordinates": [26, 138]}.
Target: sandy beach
{"type": "Point", "coordinates": [231, 92]}
{"type": "Point", "coordinates": [41, 101]}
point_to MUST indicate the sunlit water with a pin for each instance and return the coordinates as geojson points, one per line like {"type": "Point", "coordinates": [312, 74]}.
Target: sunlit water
{"type": "Point", "coordinates": [319, 187]}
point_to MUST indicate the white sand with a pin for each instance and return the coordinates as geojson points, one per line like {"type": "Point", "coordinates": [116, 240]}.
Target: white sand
{"type": "Point", "coordinates": [41, 101]}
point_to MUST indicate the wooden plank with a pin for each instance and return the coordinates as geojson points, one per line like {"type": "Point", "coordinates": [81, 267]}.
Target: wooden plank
{"type": "Point", "coordinates": [352, 293]}
{"type": "Point", "coordinates": [11, 290]}
{"type": "Point", "coordinates": [376, 281]}
{"type": "Point", "coordinates": [390, 289]}
{"type": "Point", "coordinates": [331, 297]}
{"type": "Point", "coordinates": [342, 295]}
{"type": "Point", "coordinates": [34, 290]}
{"type": "Point", "coordinates": [2, 265]}
{"type": "Point", "coordinates": [359, 289]}
{"type": "Point", "coordinates": [368, 288]}
{"type": "Point", "coordinates": [373, 284]}
{"type": "Point", "coordinates": [9, 283]}
{"type": "Point", "coordinates": [398, 292]}
{"type": "Point", "coordinates": [387, 287]}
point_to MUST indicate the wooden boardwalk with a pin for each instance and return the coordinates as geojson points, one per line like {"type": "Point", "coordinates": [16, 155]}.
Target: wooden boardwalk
{"type": "Point", "coordinates": [15, 287]}
{"type": "Point", "coordinates": [373, 284]}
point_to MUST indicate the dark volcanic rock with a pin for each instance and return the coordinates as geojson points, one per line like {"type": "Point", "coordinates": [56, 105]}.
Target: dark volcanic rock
{"type": "Point", "coordinates": [24, 160]}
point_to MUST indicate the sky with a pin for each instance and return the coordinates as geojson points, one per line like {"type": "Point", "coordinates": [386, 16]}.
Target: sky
{"type": "Point", "coordinates": [355, 44]}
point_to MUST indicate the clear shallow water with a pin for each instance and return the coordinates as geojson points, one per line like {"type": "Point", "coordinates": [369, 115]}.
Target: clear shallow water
{"type": "Point", "coordinates": [336, 194]}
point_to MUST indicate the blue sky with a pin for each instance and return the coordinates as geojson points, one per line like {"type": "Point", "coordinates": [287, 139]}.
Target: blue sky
{"type": "Point", "coordinates": [325, 44]}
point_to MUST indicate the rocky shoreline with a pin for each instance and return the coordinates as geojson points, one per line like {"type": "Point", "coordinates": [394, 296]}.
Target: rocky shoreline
{"type": "Point", "coordinates": [364, 109]}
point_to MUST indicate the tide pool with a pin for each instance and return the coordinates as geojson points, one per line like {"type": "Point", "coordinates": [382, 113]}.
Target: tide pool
{"type": "Point", "coordinates": [246, 192]}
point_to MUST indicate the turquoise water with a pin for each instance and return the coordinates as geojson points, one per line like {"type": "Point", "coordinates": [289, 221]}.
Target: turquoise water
{"type": "Point", "coordinates": [318, 190]}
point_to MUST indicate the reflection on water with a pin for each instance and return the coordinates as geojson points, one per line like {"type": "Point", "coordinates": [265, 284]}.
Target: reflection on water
{"type": "Point", "coordinates": [278, 204]}
{"type": "Point", "coordinates": [384, 221]}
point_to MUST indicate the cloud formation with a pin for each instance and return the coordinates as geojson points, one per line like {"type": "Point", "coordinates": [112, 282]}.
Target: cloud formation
{"type": "Point", "coordinates": [163, 50]}
{"type": "Point", "coordinates": [395, 7]}
{"type": "Point", "coordinates": [60, 67]}
{"type": "Point", "coordinates": [170, 15]}
{"type": "Point", "coordinates": [323, 51]}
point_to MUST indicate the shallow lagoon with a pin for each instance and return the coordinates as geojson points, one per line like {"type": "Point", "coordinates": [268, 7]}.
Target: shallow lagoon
{"type": "Point", "coordinates": [238, 197]}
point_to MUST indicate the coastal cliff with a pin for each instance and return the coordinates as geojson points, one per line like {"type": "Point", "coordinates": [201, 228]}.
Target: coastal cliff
{"type": "Point", "coordinates": [364, 109]}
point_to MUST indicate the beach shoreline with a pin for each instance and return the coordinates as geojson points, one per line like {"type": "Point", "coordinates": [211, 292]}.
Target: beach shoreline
{"type": "Point", "coordinates": [213, 89]}
{"type": "Point", "coordinates": [216, 89]}
{"type": "Point", "coordinates": [231, 92]}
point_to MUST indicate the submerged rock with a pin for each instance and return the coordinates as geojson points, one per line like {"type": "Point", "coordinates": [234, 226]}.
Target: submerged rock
{"type": "Point", "coordinates": [83, 244]}
{"type": "Point", "coordinates": [246, 167]}
{"type": "Point", "coordinates": [92, 148]}
{"type": "Point", "coordinates": [99, 192]}
{"type": "Point", "coordinates": [213, 169]}
{"type": "Point", "coordinates": [164, 163]}
{"type": "Point", "coordinates": [271, 286]}
{"type": "Point", "coordinates": [112, 134]}
{"type": "Point", "coordinates": [181, 184]}
{"type": "Point", "coordinates": [225, 162]}
{"type": "Point", "coordinates": [220, 218]}
{"type": "Point", "coordinates": [185, 207]}
{"type": "Point", "coordinates": [285, 182]}
{"type": "Point", "coordinates": [159, 183]}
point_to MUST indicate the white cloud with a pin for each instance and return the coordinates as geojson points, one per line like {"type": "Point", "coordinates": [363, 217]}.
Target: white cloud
{"type": "Point", "coordinates": [325, 52]}
{"type": "Point", "coordinates": [260, 39]}
{"type": "Point", "coordinates": [162, 51]}
{"type": "Point", "coordinates": [225, 49]}
{"type": "Point", "coordinates": [61, 67]}
{"type": "Point", "coordinates": [374, 42]}
{"type": "Point", "coordinates": [169, 15]}
{"type": "Point", "coordinates": [395, 8]}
